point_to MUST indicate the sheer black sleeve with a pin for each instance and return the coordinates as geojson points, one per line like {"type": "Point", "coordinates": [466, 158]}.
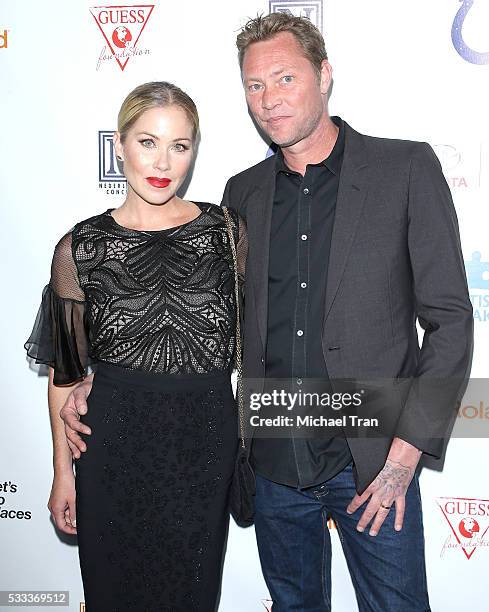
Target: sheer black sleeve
{"type": "Point", "coordinates": [59, 337]}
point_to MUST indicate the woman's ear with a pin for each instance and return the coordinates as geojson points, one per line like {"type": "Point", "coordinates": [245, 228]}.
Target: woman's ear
{"type": "Point", "coordinates": [119, 149]}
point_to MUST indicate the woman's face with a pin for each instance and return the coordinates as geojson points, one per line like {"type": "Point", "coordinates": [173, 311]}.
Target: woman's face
{"type": "Point", "coordinates": [157, 153]}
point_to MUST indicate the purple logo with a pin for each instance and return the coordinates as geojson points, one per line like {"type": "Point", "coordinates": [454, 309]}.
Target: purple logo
{"type": "Point", "coordinates": [468, 54]}
{"type": "Point", "coordinates": [313, 10]}
{"type": "Point", "coordinates": [110, 176]}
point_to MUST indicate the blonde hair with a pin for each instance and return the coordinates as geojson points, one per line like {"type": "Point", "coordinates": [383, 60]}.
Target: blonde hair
{"type": "Point", "coordinates": [265, 27]}
{"type": "Point", "coordinates": [151, 95]}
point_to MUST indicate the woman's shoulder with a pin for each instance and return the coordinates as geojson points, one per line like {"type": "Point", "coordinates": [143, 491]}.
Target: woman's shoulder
{"type": "Point", "coordinates": [95, 221]}
{"type": "Point", "coordinates": [217, 210]}
{"type": "Point", "coordinates": [84, 228]}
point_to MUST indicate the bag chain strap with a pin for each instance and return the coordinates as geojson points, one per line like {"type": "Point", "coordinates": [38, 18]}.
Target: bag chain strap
{"type": "Point", "coordinates": [238, 329]}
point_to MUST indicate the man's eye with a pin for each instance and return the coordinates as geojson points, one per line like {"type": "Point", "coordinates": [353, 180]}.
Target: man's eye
{"type": "Point", "coordinates": [288, 78]}
{"type": "Point", "coordinates": [254, 87]}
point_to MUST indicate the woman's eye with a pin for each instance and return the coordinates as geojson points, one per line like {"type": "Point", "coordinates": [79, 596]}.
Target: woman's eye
{"type": "Point", "coordinates": [147, 142]}
{"type": "Point", "coordinates": [181, 147]}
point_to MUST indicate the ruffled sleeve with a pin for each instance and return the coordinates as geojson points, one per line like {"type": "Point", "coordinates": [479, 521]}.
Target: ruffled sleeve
{"type": "Point", "coordinates": [59, 337]}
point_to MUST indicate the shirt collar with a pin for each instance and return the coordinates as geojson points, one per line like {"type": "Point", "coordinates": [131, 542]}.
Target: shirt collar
{"type": "Point", "coordinates": [332, 162]}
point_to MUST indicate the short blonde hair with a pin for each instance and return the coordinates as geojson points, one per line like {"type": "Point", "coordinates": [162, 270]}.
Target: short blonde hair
{"type": "Point", "coordinates": [151, 95]}
{"type": "Point", "coordinates": [265, 27]}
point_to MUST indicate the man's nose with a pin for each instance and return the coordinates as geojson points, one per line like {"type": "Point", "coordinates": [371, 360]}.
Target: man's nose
{"type": "Point", "coordinates": [270, 98]}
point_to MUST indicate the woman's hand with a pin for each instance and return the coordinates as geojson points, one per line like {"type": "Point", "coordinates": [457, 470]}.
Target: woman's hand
{"type": "Point", "coordinates": [62, 502]}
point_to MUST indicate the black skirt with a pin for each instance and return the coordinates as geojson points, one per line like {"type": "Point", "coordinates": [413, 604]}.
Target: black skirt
{"type": "Point", "coordinates": [152, 490]}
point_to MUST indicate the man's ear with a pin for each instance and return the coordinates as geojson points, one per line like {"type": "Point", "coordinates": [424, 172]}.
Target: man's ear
{"type": "Point", "coordinates": [326, 76]}
{"type": "Point", "coordinates": [119, 149]}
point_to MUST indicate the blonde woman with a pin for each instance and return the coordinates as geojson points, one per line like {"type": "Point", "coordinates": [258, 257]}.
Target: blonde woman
{"type": "Point", "coordinates": [146, 293]}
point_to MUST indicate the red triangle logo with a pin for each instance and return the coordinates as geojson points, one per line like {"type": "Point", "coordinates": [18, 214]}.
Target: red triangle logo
{"type": "Point", "coordinates": [121, 27]}
{"type": "Point", "coordinates": [468, 519]}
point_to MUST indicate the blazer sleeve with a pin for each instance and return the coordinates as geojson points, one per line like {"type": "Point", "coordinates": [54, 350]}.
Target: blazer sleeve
{"type": "Point", "coordinates": [226, 196]}
{"type": "Point", "coordinates": [443, 307]}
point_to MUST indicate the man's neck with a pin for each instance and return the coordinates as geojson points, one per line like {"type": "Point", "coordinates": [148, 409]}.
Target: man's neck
{"type": "Point", "coordinates": [313, 149]}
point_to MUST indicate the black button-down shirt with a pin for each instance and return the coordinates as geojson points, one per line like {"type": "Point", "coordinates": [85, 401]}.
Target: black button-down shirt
{"type": "Point", "coordinates": [300, 240]}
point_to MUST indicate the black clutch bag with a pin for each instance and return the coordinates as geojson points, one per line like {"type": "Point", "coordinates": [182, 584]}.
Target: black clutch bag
{"type": "Point", "coordinates": [243, 486]}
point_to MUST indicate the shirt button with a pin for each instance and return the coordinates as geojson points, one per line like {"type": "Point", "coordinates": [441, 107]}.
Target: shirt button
{"type": "Point", "coordinates": [305, 191]}
{"type": "Point", "coordinates": [300, 332]}
{"type": "Point", "coordinates": [303, 285]}
{"type": "Point", "coordinates": [304, 237]}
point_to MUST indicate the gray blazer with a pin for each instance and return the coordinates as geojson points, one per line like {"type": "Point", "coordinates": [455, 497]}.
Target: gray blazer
{"type": "Point", "coordinates": [395, 258]}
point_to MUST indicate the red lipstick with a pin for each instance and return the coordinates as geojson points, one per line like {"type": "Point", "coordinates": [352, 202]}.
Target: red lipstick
{"type": "Point", "coordinates": [160, 183]}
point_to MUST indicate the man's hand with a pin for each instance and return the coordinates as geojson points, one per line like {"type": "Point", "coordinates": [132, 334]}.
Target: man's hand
{"type": "Point", "coordinates": [388, 488]}
{"type": "Point", "coordinates": [76, 405]}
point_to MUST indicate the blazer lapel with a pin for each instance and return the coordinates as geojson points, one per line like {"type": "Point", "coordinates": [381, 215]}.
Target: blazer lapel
{"type": "Point", "coordinates": [352, 191]}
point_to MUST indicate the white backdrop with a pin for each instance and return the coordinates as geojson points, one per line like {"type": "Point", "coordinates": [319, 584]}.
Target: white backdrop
{"type": "Point", "coordinates": [397, 73]}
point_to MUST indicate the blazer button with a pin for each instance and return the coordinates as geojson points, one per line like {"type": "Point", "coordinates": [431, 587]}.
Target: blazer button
{"type": "Point", "coordinates": [262, 360]}
{"type": "Point", "coordinates": [334, 348]}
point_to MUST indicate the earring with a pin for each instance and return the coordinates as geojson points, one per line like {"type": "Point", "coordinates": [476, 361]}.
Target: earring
{"type": "Point", "coordinates": [119, 157]}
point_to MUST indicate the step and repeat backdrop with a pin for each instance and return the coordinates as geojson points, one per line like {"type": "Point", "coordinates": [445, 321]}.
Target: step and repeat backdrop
{"type": "Point", "coordinates": [405, 69]}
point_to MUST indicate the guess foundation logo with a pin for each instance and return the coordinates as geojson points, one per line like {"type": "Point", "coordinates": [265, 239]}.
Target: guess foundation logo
{"type": "Point", "coordinates": [121, 27]}
{"type": "Point", "coordinates": [468, 520]}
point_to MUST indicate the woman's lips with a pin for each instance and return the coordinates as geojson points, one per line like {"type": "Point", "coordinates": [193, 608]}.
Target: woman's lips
{"type": "Point", "coordinates": [160, 183]}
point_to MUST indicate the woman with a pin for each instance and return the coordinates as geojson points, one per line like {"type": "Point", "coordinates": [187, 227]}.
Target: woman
{"type": "Point", "coordinates": [145, 291]}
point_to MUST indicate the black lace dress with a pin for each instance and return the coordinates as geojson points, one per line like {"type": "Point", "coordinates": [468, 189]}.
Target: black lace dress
{"type": "Point", "coordinates": [154, 313]}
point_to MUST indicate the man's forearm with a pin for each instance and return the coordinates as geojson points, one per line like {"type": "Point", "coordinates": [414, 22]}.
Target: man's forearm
{"type": "Point", "coordinates": [404, 453]}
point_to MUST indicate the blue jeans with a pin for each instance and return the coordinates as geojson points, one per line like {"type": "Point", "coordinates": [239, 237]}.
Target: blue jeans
{"type": "Point", "coordinates": [387, 570]}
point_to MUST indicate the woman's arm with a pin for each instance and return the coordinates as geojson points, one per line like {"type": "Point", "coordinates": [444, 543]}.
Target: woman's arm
{"type": "Point", "coordinates": [62, 498]}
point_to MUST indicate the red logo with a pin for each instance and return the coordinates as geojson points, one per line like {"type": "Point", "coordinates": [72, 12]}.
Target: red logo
{"type": "Point", "coordinates": [469, 523]}
{"type": "Point", "coordinates": [121, 37]}
{"type": "Point", "coordinates": [121, 27]}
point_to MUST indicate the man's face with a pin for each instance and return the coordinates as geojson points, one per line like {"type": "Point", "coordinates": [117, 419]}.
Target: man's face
{"type": "Point", "coordinates": [282, 89]}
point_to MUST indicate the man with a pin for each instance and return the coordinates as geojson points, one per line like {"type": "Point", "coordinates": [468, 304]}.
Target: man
{"type": "Point", "coordinates": [351, 239]}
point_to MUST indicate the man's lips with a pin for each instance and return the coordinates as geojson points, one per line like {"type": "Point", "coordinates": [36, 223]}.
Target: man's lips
{"type": "Point", "coordinates": [276, 120]}
{"type": "Point", "coordinates": [158, 182]}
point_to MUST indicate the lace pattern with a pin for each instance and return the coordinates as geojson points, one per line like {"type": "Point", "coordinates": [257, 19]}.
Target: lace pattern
{"type": "Point", "coordinates": [158, 301]}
